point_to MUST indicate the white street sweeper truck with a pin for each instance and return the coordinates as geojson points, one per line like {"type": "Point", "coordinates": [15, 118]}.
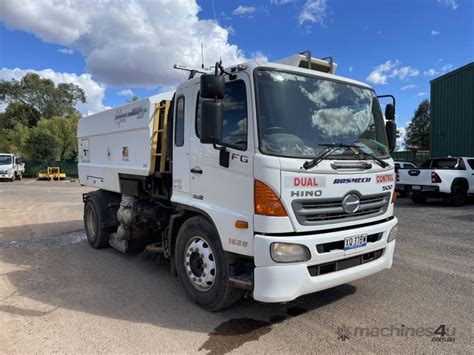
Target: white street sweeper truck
{"type": "Point", "coordinates": [271, 179]}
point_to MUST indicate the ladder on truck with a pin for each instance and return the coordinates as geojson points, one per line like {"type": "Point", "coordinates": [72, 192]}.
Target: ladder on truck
{"type": "Point", "coordinates": [160, 135]}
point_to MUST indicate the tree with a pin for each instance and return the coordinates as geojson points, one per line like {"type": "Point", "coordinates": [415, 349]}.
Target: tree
{"type": "Point", "coordinates": [42, 145]}
{"type": "Point", "coordinates": [418, 131]}
{"type": "Point", "coordinates": [15, 140]}
{"type": "Point", "coordinates": [19, 113]}
{"type": "Point", "coordinates": [64, 130]}
{"type": "Point", "coordinates": [41, 95]}
{"type": "Point", "coordinates": [132, 99]}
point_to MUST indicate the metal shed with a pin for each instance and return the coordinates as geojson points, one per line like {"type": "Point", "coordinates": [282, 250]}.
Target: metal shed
{"type": "Point", "coordinates": [452, 113]}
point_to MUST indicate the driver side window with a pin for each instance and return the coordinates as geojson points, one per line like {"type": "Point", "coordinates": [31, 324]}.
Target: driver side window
{"type": "Point", "coordinates": [235, 125]}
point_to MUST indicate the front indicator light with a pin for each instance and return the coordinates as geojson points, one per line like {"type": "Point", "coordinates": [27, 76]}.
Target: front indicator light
{"type": "Point", "coordinates": [289, 253]}
{"type": "Point", "coordinates": [267, 202]}
{"type": "Point", "coordinates": [393, 234]}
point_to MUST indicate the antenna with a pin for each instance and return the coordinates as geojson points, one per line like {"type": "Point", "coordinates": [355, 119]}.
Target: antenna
{"type": "Point", "coordinates": [202, 55]}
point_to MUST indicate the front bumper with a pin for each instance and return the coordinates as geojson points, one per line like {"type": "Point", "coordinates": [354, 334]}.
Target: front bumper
{"type": "Point", "coordinates": [7, 176]}
{"type": "Point", "coordinates": [277, 282]}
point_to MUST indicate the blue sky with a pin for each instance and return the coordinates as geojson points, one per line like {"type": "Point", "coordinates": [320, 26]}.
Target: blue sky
{"type": "Point", "coordinates": [115, 49]}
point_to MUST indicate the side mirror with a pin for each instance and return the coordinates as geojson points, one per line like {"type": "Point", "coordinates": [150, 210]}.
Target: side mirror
{"type": "Point", "coordinates": [212, 86]}
{"type": "Point", "coordinates": [212, 117]}
{"type": "Point", "coordinates": [390, 112]}
{"type": "Point", "coordinates": [391, 129]}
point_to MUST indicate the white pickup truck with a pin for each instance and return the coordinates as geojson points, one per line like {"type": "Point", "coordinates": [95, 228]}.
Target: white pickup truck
{"type": "Point", "coordinates": [11, 167]}
{"type": "Point", "coordinates": [450, 178]}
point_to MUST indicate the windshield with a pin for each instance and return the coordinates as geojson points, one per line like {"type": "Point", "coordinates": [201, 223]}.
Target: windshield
{"type": "Point", "coordinates": [298, 113]}
{"type": "Point", "coordinates": [5, 159]}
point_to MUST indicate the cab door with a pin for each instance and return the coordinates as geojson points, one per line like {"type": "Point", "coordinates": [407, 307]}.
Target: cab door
{"type": "Point", "coordinates": [226, 193]}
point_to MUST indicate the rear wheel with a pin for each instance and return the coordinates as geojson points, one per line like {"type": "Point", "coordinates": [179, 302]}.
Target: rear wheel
{"type": "Point", "coordinates": [94, 215]}
{"type": "Point", "coordinates": [457, 197]}
{"type": "Point", "coordinates": [202, 267]}
{"type": "Point", "coordinates": [418, 197]}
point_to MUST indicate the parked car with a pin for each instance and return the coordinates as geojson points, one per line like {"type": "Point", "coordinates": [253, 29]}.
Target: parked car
{"type": "Point", "coordinates": [450, 178]}
{"type": "Point", "coordinates": [11, 167]}
{"type": "Point", "coordinates": [404, 165]}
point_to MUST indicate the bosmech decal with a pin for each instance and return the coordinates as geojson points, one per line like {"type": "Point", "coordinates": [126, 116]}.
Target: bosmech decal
{"type": "Point", "coordinates": [305, 181]}
{"type": "Point", "coordinates": [352, 180]}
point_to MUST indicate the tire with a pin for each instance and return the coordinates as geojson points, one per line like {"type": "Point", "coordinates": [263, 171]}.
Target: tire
{"type": "Point", "coordinates": [418, 197]}
{"type": "Point", "coordinates": [19, 177]}
{"type": "Point", "coordinates": [201, 266]}
{"type": "Point", "coordinates": [457, 197]}
{"type": "Point", "coordinates": [94, 215]}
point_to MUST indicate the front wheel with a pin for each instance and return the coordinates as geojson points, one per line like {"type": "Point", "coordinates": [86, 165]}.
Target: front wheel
{"type": "Point", "coordinates": [202, 267]}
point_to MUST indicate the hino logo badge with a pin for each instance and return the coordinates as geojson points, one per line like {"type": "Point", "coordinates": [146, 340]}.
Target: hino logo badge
{"type": "Point", "coordinates": [351, 203]}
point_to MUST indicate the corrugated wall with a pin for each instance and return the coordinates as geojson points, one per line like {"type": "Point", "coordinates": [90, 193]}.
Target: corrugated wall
{"type": "Point", "coordinates": [452, 113]}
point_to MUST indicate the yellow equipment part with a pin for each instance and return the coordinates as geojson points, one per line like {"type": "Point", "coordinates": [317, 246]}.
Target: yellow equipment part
{"type": "Point", "coordinates": [53, 173]}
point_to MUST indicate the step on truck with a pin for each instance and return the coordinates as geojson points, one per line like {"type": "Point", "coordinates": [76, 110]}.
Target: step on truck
{"type": "Point", "coordinates": [272, 180]}
{"type": "Point", "coordinates": [449, 178]}
{"type": "Point", "coordinates": [11, 167]}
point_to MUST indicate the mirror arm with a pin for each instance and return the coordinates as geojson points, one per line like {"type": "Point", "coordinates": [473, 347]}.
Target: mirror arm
{"type": "Point", "coordinates": [391, 96]}
{"type": "Point", "coordinates": [223, 155]}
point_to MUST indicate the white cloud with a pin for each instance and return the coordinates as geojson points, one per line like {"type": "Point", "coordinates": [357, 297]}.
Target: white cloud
{"type": "Point", "coordinates": [93, 90]}
{"type": "Point", "coordinates": [351, 68]}
{"type": "Point", "coordinates": [244, 10]}
{"type": "Point", "coordinates": [391, 69]}
{"type": "Point", "coordinates": [66, 51]}
{"type": "Point", "coordinates": [379, 74]}
{"type": "Point", "coordinates": [126, 92]}
{"type": "Point", "coordinates": [404, 72]}
{"type": "Point", "coordinates": [401, 137]}
{"type": "Point", "coordinates": [445, 68]}
{"type": "Point", "coordinates": [282, 2]}
{"type": "Point", "coordinates": [422, 94]}
{"type": "Point", "coordinates": [407, 87]}
{"type": "Point", "coordinates": [449, 3]}
{"type": "Point", "coordinates": [435, 33]}
{"type": "Point", "coordinates": [132, 43]}
{"type": "Point", "coordinates": [430, 72]}
{"type": "Point", "coordinates": [313, 12]}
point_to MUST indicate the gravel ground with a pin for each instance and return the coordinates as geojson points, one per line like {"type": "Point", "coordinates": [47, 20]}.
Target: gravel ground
{"type": "Point", "coordinates": [59, 295]}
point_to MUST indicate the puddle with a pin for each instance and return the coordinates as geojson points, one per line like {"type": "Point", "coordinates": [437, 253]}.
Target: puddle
{"type": "Point", "coordinates": [234, 333]}
{"type": "Point", "coordinates": [58, 240]}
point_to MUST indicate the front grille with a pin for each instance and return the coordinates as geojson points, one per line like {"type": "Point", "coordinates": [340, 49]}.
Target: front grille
{"type": "Point", "coordinates": [338, 265]}
{"type": "Point", "coordinates": [339, 244]}
{"type": "Point", "coordinates": [323, 211]}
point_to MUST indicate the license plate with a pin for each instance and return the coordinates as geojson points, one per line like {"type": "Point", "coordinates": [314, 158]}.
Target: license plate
{"type": "Point", "coordinates": [416, 187]}
{"type": "Point", "coordinates": [357, 241]}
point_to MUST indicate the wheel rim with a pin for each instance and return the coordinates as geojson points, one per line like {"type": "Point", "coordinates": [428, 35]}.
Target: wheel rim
{"type": "Point", "coordinates": [200, 264]}
{"type": "Point", "coordinates": [90, 224]}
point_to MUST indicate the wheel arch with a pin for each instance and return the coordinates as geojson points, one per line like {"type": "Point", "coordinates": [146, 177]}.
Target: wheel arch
{"type": "Point", "coordinates": [460, 182]}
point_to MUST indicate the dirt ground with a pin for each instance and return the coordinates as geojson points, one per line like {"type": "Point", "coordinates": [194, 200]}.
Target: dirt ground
{"type": "Point", "coordinates": [59, 295]}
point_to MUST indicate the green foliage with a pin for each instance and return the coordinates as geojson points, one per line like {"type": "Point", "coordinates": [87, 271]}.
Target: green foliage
{"type": "Point", "coordinates": [132, 99]}
{"type": "Point", "coordinates": [418, 131]}
{"type": "Point", "coordinates": [19, 113]}
{"type": "Point", "coordinates": [15, 140]}
{"type": "Point", "coordinates": [40, 120]}
{"type": "Point", "coordinates": [64, 130]}
{"type": "Point", "coordinates": [41, 145]}
{"type": "Point", "coordinates": [42, 96]}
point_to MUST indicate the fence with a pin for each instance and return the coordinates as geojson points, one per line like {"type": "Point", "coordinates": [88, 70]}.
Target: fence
{"type": "Point", "coordinates": [33, 167]}
{"type": "Point", "coordinates": [416, 157]}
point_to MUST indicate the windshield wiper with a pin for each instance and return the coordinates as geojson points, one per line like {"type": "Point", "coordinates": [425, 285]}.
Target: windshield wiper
{"type": "Point", "coordinates": [379, 161]}
{"type": "Point", "coordinates": [331, 147]}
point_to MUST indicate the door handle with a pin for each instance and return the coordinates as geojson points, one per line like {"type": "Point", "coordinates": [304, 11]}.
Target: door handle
{"type": "Point", "coordinates": [196, 171]}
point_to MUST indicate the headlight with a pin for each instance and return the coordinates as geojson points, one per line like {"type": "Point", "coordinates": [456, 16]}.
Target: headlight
{"type": "Point", "coordinates": [393, 234]}
{"type": "Point", "coordinates": [289, 253]}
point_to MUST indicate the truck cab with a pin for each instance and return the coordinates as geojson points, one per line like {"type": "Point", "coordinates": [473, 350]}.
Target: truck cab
{"type": "Point", "coordinates": [281, 182]}
{"type": "Point", "coordinates": [11, 167]}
